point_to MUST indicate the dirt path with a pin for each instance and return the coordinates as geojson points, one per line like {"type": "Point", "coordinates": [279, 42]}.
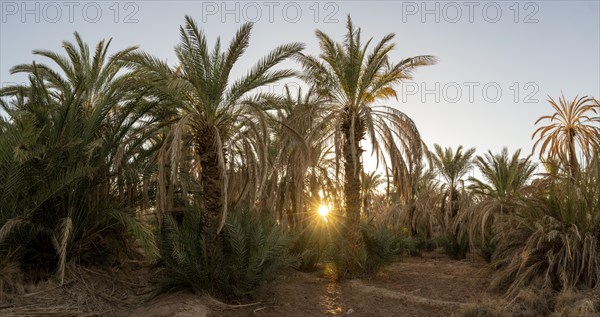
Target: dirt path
{"type": "Point", "coordinates": [432, 285]}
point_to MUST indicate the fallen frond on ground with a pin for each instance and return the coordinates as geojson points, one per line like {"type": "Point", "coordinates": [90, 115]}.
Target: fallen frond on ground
{"type": "Point", "coordinates": [86, 292]}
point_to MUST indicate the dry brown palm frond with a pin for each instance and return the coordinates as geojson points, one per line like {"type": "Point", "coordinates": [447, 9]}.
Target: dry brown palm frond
{"type": "Point", "coordinates": [11, 225]}
{"type": "Point", "coordinates": [11, 277]}
{"type": "Point", "coordinates": [553, 237]}
{"type": "Point", "coordinates": [573, 128]}
{"type": "Point", "coordinates": [65, 231]}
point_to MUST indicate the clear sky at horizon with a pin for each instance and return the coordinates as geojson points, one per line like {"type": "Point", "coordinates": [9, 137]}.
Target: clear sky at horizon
{"type": "Point", "coordinates": [498, 61]}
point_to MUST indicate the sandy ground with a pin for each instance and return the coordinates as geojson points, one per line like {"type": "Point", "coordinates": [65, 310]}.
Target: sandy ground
{"type": "Point", "coordinates": [431, 285]}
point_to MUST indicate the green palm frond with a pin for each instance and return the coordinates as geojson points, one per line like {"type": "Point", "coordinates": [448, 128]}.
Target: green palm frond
{"type": "Point", "coordinates": [553, 237]}
{"type": "Point", "coordinates": [75, 119]}
{"type": "Point", "coordinates": [501, 189]}
{"type": "Point", "coordinates": [255, 249]}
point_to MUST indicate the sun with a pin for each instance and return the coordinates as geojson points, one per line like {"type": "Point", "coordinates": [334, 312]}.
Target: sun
{"type": "Point", "coordinates": [323, 211]}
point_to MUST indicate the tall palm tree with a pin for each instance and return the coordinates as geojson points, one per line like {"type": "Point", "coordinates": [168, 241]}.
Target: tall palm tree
{"type": "Point", "coordinates": [575, 125]}
{"type": "Point", "coordinates": [503, 179]}
{"type": "Point", "coordinates": [303, 139]}
{"type": "Point", "coordinates": [356, 81]}
{"type": "Point", "coordinates": [452, 166]}
{"type": "Point", "coordinates": [212, 108]}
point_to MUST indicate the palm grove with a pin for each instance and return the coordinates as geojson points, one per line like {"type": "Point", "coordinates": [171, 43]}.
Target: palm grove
{"type": "Point", "coordinates": [232, 177]}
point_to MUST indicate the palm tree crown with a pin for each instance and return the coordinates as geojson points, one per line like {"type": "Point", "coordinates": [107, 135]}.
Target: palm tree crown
{"type": "Point", "coordinates": [575, 125]}
{"type": "Point", "coordinates": [355, 77]}
{"type": "Point", "coordinates": [452, 166]}
{"type": "Point", "coordinates": [500, 189]}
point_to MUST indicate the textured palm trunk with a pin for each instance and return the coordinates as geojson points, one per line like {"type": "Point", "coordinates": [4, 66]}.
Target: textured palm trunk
{"type": "Point", "coordinates": [367, 205]}
{"type": "Point", "coordinates": [455, 203]}
{"type": "Point", "coordinates": [281, 203]}
{"type": "Point", "coordinates": [315, 199]}
{"type": "Point", "coordinates": [455, 210]}
{"type": "Point", "coordinates": [293, 212]}
{"type": "Point", "coordinates": [573, 164]}
{"type": "Point", "coordinates": [212, 185]}
{"type": "Point", "coordinates": [352, 190]}
{"type": "Point", "coordinates": [445, 213]}
{"type": "Point", "coordinates": [411, 218]}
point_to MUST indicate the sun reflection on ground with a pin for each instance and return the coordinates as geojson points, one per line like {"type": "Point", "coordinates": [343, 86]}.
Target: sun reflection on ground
{"type": "Point", "coordinates": [332, 300]}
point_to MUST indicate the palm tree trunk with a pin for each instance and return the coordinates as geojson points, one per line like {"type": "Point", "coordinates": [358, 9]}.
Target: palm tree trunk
{"type": "Point", "coordinates": [454, 203]}
{"type": "Point", "coordinates": [573, 164]}
{"type": "Point", "coordinates": [293, 212]}
{"type": "Point", "coordinates": [445, 213]}
{"type": "Point", "coordinates": [315, 198]}
{"type": "Point", "coordinates": [411, 218]}
{"type": "Point", "coordinates": [212, 185]}
{"type": "Point", "coordinates": [454, 207]}
{"type": "Point", "coordinates": [352, 190]}
{"type": "Point", "coordinates": [281, 203]}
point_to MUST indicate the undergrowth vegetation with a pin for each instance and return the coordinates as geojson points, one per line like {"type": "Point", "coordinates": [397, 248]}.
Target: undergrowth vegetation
{"type": "Point", "coordinates": [383, 244]}
{"type": "Point", "coordinates": [255, 250]}
{"type": "Point", "coordinates": [554, 236]}
{"type": "Point", "coordinates": [106, 159]}
{"type": "Point", "coordinates": [70, 163]}
{"type": "Point", "coordinates": [310, 246]}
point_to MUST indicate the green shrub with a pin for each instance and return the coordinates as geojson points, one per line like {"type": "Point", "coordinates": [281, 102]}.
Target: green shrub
{"type": "Point", "coordinates": [456, 247]}
{"type": "Point", "coordinates": [555, 237]}
{"type": "Point", "coordinates": [486, 247]}
{"type": "Point", "coordinates": [309, 247]}
{"type": "Point", "coordinates": [70, 165]}
{"type": "Point", "coordinates": [382, 245]}
{"type": "Point", "coordinates": [416, 245]}
{"type": "Point", "coordinates": [254, 250]}
{"type": "Point", "coordinates": [346, 260]}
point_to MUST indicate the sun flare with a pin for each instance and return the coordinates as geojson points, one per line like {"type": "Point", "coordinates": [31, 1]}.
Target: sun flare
{"type": "Point", "coordinates": [323, 211]}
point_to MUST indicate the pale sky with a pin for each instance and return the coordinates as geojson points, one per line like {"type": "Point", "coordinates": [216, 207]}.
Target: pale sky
{"type": "Point", "coordinates": [498, 60]}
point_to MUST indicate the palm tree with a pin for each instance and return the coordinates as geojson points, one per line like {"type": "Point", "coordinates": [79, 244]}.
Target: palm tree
{"type": "Point", "coordinates": [428, 197]}
{"type": "Point", "coordinates": [575, 125]}
{"type": "Point", "coordinates": [85, 142]}
{"type": "Point", "coordinates": [370, 183]}
{"type": "Point", "coordinates": [553, 236]}
{"type": "Point", "coordinates": [503, 179]}
{"type": "Point", "coordinates": [303, 141]}
{"type": "Point", "coordinates": [419, 198]}
{"type": "Point", "coordinates": [355, 82]}
{"type": "Point", "coordinates": [452, 166]}
{"type": "Point", "coordinates": [212, 109]}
